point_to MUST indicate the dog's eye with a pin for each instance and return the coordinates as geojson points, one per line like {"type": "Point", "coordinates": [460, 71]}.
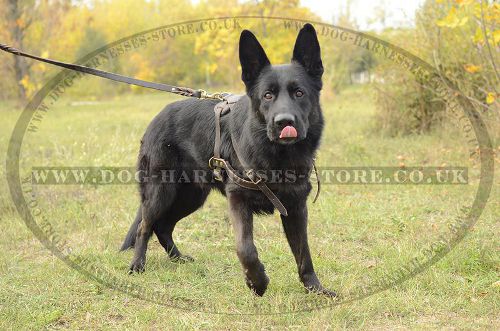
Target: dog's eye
{"type": "Point", "coordinates": [268, 95]}
{"type": "Point", "coordinates": [299, 94]}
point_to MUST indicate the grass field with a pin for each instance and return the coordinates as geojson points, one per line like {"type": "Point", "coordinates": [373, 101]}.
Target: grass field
{"type": "Point", "coordinates": [355, 233]}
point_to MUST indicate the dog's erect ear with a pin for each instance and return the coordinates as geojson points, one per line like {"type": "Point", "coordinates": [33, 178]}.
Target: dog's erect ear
{"type": "Point", "coordinates": [307, 51]}
{"type": "Point", "coordinates": [252, 58]}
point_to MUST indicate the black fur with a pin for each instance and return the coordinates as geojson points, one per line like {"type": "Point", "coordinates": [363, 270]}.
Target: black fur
{"type": "Point", "coordinates": [181, 138]}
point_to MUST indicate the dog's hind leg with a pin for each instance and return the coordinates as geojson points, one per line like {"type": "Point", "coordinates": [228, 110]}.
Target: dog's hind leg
{"type": "Point", "coordinates": [163, 231]}
{"type": "Point", "coordinates": [144, 232]}
{"type": "Point", "coordinates": [129, 241]}
{"type": "Point", "coordinates": [154, 208]}
{"type": "Point", "coordinates": [188, 199]}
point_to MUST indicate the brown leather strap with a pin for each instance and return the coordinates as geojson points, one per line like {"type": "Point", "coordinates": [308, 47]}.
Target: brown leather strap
{"type": "Point", "coordinates": [258, 181]}
{"type": "Point", "coordinates": [184, 91]}
{"type": "Point", "coordinates": [217, 110]}
{"type": "Point", "coordinates": [217, 170]}
{"type": "Point", "coordinates": [221, 109]}
{"type": "Point", "coordinates": [317, 181]}
{"type": "Point", "coordinates": [219, 163]}
{"type": "Point", "coordinates": [267, 192]}
{"type": "Point", "coordinates": [255, 182]}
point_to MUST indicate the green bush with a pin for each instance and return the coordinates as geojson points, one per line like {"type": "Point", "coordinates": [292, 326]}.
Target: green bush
{"type": "Point", "coordinates": [461, 40]}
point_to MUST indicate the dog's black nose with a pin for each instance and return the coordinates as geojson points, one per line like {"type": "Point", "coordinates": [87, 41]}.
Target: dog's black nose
{"type": "Point", "coordinates": [284, 119]}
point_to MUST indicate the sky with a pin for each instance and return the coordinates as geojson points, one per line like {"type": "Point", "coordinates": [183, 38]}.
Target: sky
{"type": "Point", "coordinates": [397, 12]}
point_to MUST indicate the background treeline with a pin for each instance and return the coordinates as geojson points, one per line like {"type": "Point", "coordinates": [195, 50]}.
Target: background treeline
{"type": "Point", "coordinates": [459, 37]}
{"type": "Point", "coordinates": [68, 30]}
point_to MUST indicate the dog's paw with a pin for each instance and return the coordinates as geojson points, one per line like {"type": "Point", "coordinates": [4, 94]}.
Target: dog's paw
{"type": "Point", "coordinates": [258, 287]}
{"type": "Point", "coordinates": [257, 281]}
{"type": "Point", "coordinates": [313, 285]}
{"type": "Point", "coordinates": [137, 266]}
{"type": "Point", "coordinates": [319, 289]}
{"type": "Point", "coordinates": [181, 259]}
{"type": "Point", "coordinates": [324, 291]}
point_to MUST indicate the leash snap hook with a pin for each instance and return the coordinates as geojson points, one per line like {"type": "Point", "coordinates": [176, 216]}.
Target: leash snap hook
{"type": "Point", "coordinates": [215, 96]}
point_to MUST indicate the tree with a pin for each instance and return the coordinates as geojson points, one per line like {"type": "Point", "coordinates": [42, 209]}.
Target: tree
{"type": "Point", "coordinates": [29, 25]}
{"type": "Point", "coordinates": [18, 20]}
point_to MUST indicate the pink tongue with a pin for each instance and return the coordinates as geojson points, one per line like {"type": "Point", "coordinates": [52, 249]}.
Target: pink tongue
{"type": "Point", "coordinates": [288, 132]}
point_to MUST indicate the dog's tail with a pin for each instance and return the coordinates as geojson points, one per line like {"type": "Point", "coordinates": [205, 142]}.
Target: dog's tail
{"type": "Point", "coordinates": [132, 232]}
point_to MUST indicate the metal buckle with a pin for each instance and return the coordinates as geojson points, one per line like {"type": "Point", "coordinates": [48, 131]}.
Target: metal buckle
{"type": "Point", "coordinates": [212, 164]}
{"type": "Point", "coordinates": [252, 175]}
{"type": "Point", "coordinates": [216, 162]}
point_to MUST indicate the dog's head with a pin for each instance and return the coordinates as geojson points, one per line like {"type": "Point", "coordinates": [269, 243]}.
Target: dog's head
{"type": "Point", "coordinates": [285, 97]}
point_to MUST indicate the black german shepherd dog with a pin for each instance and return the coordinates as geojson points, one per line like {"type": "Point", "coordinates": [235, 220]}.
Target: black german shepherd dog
{"type": "Point", "coordinates": [276, 125]}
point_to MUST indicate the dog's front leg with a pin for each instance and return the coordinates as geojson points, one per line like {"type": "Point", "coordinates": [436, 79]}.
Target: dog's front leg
{"type": "Point", "coordinates": [295, 226]}
{"type": "Point", "coordinates": [242, 219]}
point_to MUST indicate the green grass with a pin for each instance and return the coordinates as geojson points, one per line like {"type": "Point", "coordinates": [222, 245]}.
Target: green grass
{"type": "Point", "coordinates": [356, 232]}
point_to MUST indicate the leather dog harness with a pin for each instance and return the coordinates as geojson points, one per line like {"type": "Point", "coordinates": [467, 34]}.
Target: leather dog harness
{"type": "Point", "coordinates": [216, 162]}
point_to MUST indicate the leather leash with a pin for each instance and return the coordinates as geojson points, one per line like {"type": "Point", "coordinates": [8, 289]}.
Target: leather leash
{"type": "Point", "coordinates": [216, 163]}
{"type": "Point", "coordinates": [184, 91]}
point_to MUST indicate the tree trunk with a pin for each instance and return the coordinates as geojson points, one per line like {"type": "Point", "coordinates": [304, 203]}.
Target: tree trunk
{"type": "Point", "coordinates": [21, 68]}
